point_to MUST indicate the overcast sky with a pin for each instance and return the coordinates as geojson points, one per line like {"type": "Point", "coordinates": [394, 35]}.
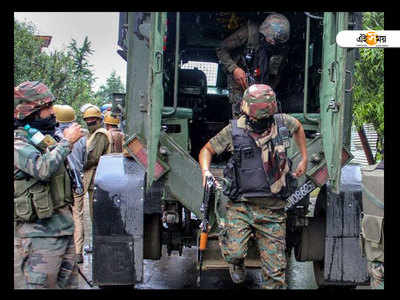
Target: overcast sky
{"type": "Point", "coordinates": [101, 28]}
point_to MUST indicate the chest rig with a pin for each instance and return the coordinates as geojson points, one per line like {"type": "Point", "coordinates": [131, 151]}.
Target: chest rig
{"type": "Point", "coordinates": [245, 169]}
{"type": "Point", "coordinates": [36, 199]}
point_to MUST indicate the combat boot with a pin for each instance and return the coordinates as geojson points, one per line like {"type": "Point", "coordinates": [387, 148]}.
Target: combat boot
{"type": "Point", "coordinates": [237, 272]}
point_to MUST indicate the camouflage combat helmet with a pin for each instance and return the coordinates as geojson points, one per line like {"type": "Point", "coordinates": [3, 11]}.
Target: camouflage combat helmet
{"type": "Point", "coordinates": [276, 27]}
{"type": "Point", "coordinates": [29, 97]}
{"type": "Point", "coordinates": [64, 113]}
{"type": "Point", "coordinates": [259, 101]}
{"type": "Point", "coordinates": [109, 119]}
{"type": "Point", "coordinates": [92, 111]}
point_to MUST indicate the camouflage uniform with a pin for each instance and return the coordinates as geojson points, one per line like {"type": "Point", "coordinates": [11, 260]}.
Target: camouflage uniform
{"type": "Point", "coordinates": [376, 270]}
{"type": "Point", "coordinates": [265, 217]}
{"type": "Point", "coordinates": [231, 53]}
{"type": "Point", "coordinates": [46, 246]}
{"type": "Point", "coordinates": [43, 224]}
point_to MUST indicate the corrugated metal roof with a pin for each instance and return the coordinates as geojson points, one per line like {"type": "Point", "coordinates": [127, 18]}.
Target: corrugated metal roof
{"type": "Point", "coordinates": [356, 147]}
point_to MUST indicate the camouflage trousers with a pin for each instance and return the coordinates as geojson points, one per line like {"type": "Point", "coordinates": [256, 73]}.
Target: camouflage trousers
{"type": "Point", "coordinates": [376, 271]}
{"type": "Point", "coordinates": [268, 226]}
{"type": "Point", "coordinates": [235, 96]}
{"type": "Point", "coordinates": [48, 262]}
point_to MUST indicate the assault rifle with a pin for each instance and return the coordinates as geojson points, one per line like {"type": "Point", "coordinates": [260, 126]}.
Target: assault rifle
{"type": "Point", "coordinates": [75, 177]}
{"type": "Point", "coordinates": [208, 197]}
{"type": "Point", "coordinates": [248, 58]}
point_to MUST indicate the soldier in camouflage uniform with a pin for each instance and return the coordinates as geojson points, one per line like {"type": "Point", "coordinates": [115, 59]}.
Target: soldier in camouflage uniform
{"type": "Point", "coordinates": [258, 51]}
{"type": "Point", "coordinates": [98, 143]}
{"type": "Point", "coordinates": [254, 212]}
{"type": "Point", "coordinates": [42, 193]}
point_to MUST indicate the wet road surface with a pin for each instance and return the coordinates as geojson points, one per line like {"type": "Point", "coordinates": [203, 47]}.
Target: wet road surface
{"type": "Point", "coordinates": [179, 272]}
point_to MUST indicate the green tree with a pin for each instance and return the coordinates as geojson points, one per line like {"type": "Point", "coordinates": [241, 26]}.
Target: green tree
{"type": "Point", "coordinates": [113, 85]}
{"type": "Point", "coordinates": [368, 89]}
{"type": "Point", "coordinates": [67, 73]}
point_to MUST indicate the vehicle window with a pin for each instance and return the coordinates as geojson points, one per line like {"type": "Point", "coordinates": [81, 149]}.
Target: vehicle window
{"type": "Point", "coordinates": [209, 68]}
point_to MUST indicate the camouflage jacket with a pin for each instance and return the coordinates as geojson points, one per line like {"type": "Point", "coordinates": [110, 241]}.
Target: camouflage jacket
{"type": "Point", "coordinates": [28, 160]}
{"type": "Point", "coordinates": [231, 51]}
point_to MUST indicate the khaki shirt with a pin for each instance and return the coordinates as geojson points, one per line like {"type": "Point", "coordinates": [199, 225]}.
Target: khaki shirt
{"type": "Point", "coordinates": [223, 142]}
{"type": "Point", "coordinates": [97, 148]}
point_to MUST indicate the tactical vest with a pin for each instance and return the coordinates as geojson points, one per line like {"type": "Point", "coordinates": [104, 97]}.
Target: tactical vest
{"type": "Point", "coordinates": [35, 199]}
{"type": "Point", "coordinates": [245, 168]}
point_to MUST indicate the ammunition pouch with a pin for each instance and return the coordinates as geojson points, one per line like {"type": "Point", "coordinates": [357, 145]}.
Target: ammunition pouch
{"type": "Point", "coordinates": [31, 201]}
{"type": "Point", "coordinates": [35, 199]}
{"type": "Point", "coordinates": [231, 188]}
{"type": "Point", "coordinates": [372, 237]}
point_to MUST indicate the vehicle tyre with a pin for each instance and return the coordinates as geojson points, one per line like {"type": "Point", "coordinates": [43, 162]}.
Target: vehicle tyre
{"type": "Point", "coordinates": [152, 236]}
{"type": "Point", "coordinates": [318, 267]}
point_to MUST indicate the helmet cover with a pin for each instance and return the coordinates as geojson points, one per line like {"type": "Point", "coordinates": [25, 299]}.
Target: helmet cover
{"type": "Point", "coordinates": [276, 27]}
{"type": "Point", "coordinates": [30, 96]}
{"type": "Point", "coordinates": [259, 101]}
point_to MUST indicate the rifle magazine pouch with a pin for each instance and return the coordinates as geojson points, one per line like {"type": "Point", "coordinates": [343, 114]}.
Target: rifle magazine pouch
{"type": "Point", "coordinates": [23, 208]}
{"type": "Point", "coordinates": [373, 237]}
{"type": "Point", "coordinates": [42, 200]}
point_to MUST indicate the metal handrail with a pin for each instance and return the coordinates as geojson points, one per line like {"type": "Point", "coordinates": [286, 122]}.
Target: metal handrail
{"type": "Point", "coordinates": [306, 74]}
{"type": "Point", "coordinates": [176, 78]}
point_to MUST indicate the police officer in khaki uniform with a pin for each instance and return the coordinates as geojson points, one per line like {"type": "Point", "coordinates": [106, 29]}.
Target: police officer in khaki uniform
{"type": "Point", "coordinates": [261, 179]}
{"type": "Point", "coordinates": [259, 51]}
{"type": "Point", "coordinates": [42, 191]}
{"type": "Point", "coordinates": [65, 116]}
{"type": "Point", "coordinates": [98, 143]}
{"type": "Point", "coordinates": [111, 123]}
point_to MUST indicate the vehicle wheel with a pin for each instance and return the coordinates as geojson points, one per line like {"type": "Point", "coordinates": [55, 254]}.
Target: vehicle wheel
{"type": "Point", "coordinates": [319, 273]}
{"type": "Point", "coordinates": [152, 236]}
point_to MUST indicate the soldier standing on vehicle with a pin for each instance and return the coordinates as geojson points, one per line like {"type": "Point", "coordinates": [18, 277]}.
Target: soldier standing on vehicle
{"type": "Point", "coordinates": [42, 191]}
{"type": "Point", "coordinates": [254, 52]}
{"type": "Point", "coordinates": [98, 143]}
{"type": "Point", "coordinates": [261, 169]}
{"type": "Point", "coordinates": [111, 124]}
{"type": "Point", "coordinates": [65, 116]}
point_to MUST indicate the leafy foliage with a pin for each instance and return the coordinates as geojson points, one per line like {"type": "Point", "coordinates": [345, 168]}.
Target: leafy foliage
{"type": "Point", "coordinates": [113, 85]}
{"type": "Point", "coordinates": [67, 73]}
{"type": "Point", "coordinates": [368, 89]}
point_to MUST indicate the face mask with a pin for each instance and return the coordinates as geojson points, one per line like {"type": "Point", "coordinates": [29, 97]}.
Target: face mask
{"type": "Point", "coordinates": [259, 126]}
{"type": "Point", "coordinates": [93, 126]}
{"type": "Point", "coordinates": [45, 126]}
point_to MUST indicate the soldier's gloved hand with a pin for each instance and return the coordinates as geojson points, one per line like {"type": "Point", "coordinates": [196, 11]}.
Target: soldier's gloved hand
{"type": "Point", "coordinates": [240, 77]}
{"type": "Point", "coordinates": [73, 133]}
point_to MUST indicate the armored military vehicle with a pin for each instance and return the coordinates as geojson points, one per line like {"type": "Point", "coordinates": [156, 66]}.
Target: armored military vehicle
{"type": "Point", "coordinates": [177, 99]}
